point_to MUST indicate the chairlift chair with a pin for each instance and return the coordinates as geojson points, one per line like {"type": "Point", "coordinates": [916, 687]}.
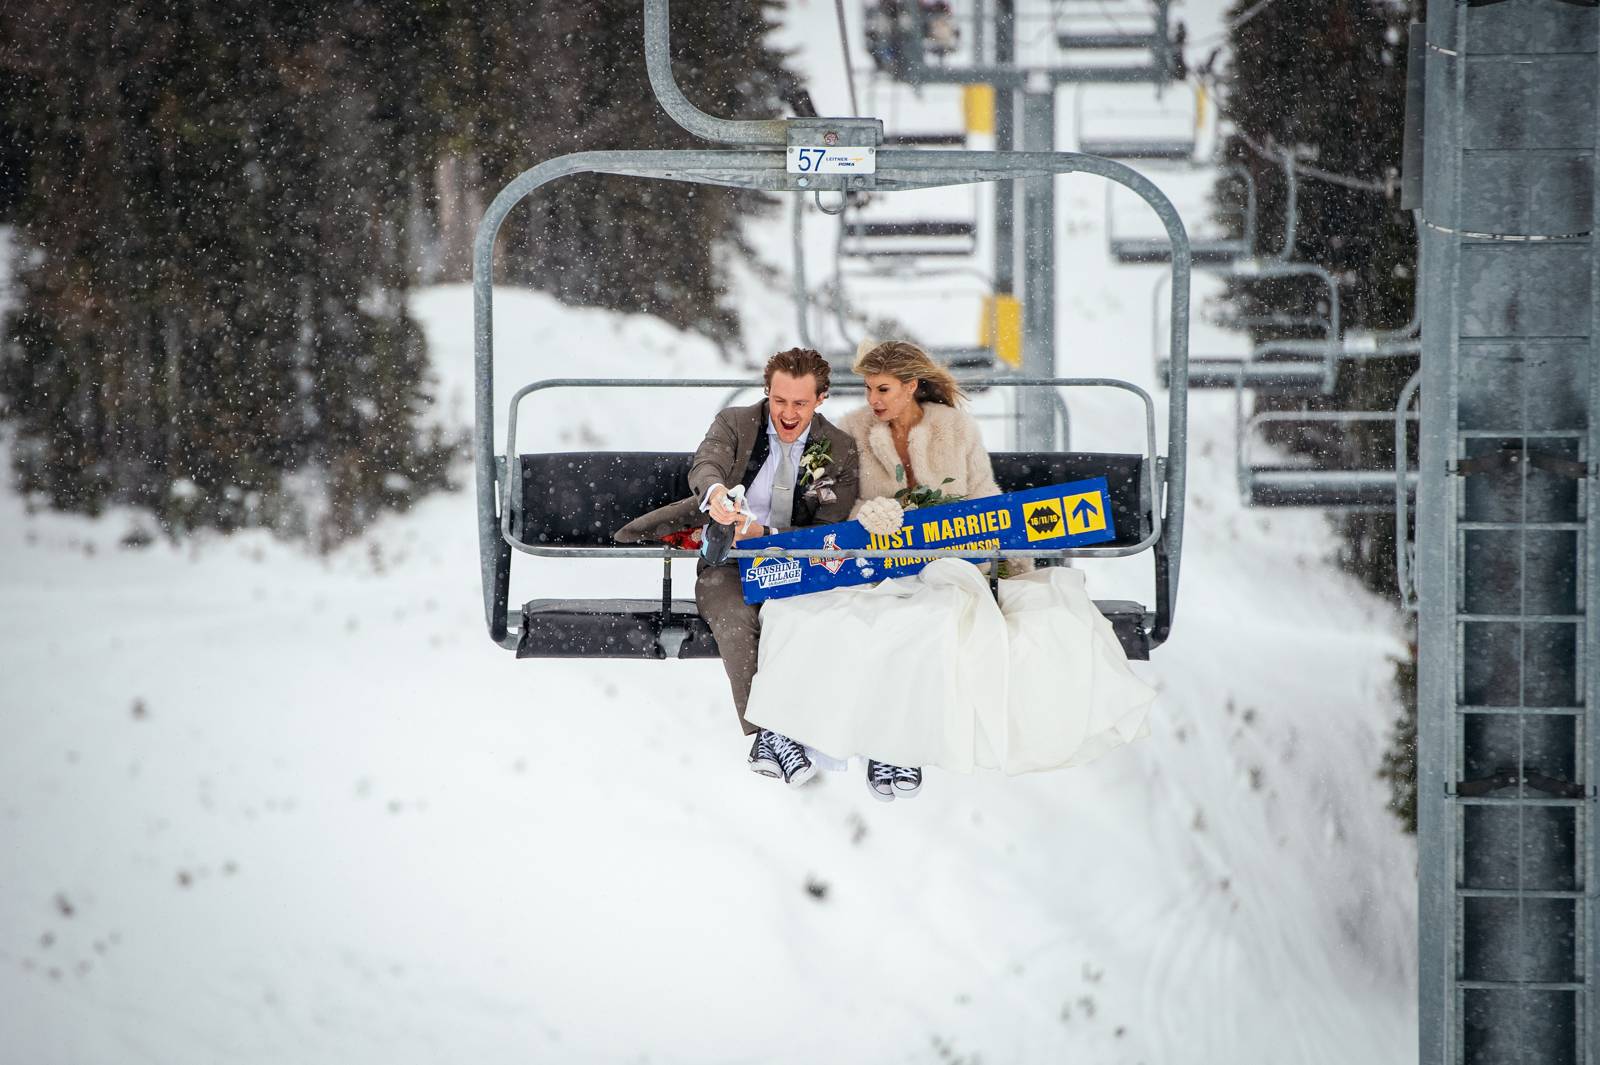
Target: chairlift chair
{"type": "Point", "coordinates": [1206, 251]}
{"type": "Point", "coordinates": [918, 238]}
{"type": "Point", "coordinates": [1111, 136]}
{"type": "Point", "coordinates": [566, 505]}
{"type": "Point", "coordinates": [1136, 45]}
{"type": "Point", "coordinates": [1298, 483]}
{"type": "Point", "coordinates": [1111, 25]}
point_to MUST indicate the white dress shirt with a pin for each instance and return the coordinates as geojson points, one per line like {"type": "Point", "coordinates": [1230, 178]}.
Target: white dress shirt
{"type": "Point", "coordinates": [758, 494]}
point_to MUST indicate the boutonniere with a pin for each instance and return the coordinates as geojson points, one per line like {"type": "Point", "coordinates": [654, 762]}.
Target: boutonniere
{"type": "Point", "coordinates": [814, 462]}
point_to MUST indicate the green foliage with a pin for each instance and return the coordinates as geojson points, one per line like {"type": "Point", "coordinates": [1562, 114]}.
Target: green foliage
{"type": "Point", "coordinates": [922, 495]}
{"type": "Point", "coordinates": [1399, 765]}
{"type": "Point", "coordinates": [220, 206]}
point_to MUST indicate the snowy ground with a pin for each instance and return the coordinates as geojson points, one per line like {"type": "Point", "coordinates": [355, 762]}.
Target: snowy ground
{"type": "Point", "coordinates": [262, 807]}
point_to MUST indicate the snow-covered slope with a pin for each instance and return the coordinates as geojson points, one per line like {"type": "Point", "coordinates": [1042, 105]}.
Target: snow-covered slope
{"type": "Point", "coordinates": [262, 807]}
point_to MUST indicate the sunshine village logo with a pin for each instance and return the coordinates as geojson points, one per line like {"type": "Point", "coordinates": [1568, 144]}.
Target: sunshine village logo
{"type": "Point", "coordinates": [774, 573]}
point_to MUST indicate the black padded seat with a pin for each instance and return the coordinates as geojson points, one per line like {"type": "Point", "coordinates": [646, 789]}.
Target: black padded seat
{"type": "Point", "coordinates": [1294, 486]}
{"type": "Point", "coordinates": [581, 498]}
{"type": "Point", "coordinates": [1283, 377]}
{"type": "Point", "coordinates": [612, 628]}
{"type": "Point", "coordinates": [920, 228]}
{"type": "Point", "coordinates": [1137, 250]}
{"type": "Point", "coordinates": [1169, 151]}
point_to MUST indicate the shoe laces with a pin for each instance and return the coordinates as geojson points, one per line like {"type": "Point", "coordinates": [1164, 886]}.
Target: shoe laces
{"type": "Point", "coordinates": [907, 775]}
{"type": "Point", "coordinates": [791, 756]}
{"type": "Point", "coordinates": [882, 773]}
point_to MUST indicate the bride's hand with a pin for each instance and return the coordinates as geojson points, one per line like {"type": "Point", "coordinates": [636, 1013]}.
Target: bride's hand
{"type": "Point", "coordinates": [881, 516]}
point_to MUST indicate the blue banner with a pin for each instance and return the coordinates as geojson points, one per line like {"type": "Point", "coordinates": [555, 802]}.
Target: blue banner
{"type": "Point", "coordinates": [1055, 516]}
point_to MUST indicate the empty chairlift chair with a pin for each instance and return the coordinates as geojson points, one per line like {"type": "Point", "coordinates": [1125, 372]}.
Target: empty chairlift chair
{"type": "Point", "coordinates": [1216, 251]}
{"type": "Point", "coordinates": [1139, 30]}
{"type": "Point", "coordinates": [902, 239]}
{"type": "Point", "coordinates": [921, 42]}
{"type": "Point", "coordinates": [1295, 480]}
{"type": "Point", "coordinates": [1280, 367]}
{"type": "Point", "coordinates": [1138, 134]}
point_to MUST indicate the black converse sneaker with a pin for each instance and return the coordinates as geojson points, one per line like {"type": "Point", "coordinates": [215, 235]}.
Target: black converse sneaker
{"type": "Point", "coordinates": [907, 781]}
{"type": "Point", "coordinates": [880, 780]}
{"type": "Point", "coordinates": [761, 757]}
{"type": "Point", "coordinates": [790, 756]}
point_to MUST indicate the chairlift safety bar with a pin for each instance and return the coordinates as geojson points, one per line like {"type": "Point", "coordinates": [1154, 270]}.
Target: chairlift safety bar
{"type": "Point", "coordinates": [513, 468]}
{"type": "Point", "coordinates": [760, 163]}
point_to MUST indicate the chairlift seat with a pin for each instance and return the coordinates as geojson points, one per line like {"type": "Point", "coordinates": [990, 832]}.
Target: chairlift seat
{"type": "Point", "coordinates": [910, 238]}
{"type": "Point", "coordinates": [919, 228]}
{"type": "Point", "coordinates": [1279, 377]}
{"type": "Point", "coordinates": [1284, 486]}
{"type": "Point", "coordinates": [924, 140]}
{"type": "Point", "coordinates": [1131, 148]}
{"type": "Point", "coordinates": [1133, 250]}
{"type": "Point", "coordinates": [1099, 41]}
{"type": "Point", "coordinates": [578, 499]}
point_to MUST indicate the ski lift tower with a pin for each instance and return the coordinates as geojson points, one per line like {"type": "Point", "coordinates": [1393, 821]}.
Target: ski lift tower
{"type": "Point", "coordinates": [1508, 535]}
{"type": "Point", "coordinates": [1036, 86]}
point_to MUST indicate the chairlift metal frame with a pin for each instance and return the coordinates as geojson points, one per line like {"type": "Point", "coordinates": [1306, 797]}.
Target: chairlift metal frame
{"type": "Point", "coordinates": [1289, 365]}
{"type": "Point", "coordinates": [1404, 549]}
{"type": "Point", "coordinates": [1307, 486]}
{"type": "Point", "coordinates": [759, 161]}
{"type": "Point", "coordinates": [1220, 254]}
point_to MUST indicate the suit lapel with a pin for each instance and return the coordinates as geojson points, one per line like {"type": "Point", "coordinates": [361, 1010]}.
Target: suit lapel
{"type": "Point", "coordinates": [753, 445]}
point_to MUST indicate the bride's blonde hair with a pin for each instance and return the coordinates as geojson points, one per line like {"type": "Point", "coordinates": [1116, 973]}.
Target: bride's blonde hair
{"type": "Point", "coordinates": [905, 361]}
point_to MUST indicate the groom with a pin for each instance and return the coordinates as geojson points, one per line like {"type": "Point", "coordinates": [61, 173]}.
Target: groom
{"type": "Point", "coordinates": [796, 469]}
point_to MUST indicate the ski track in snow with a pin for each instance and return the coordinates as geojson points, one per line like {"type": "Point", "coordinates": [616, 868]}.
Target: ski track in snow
{"type": "Point", "coordinates": [264, 807]}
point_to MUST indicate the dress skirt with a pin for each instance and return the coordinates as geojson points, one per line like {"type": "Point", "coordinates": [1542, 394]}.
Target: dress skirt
{"type": "Point", "coordinates": [929, 670]}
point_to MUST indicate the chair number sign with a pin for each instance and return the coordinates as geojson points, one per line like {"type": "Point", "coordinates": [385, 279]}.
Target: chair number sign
{"type": "Point", "coordinates": [833, 160]}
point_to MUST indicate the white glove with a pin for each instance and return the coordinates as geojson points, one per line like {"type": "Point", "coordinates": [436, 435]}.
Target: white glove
{"type": "Point", "coordinates": [882, 516]}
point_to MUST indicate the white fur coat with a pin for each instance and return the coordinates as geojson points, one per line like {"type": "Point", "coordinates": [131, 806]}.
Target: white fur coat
{"type": "Point", "coordinates": [945, 443]}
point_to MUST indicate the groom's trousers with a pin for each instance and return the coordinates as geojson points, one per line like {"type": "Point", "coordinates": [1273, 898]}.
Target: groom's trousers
{"type": "Point", "coordinates": [719, 592]}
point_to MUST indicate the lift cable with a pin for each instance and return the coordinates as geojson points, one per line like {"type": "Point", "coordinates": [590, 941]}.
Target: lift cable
{"type": "Point", "coordinates": [1344, 180]}
{"type": "Point", "coordinates": [849, 71]}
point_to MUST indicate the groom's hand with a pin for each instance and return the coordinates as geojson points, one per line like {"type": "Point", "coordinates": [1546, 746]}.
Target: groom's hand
{"type": "Point", "coordinates": [719, 509]}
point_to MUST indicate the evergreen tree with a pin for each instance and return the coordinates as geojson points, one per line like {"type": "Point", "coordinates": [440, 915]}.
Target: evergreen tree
{"type": "Point", "coordinates": [1325, 80]}
{"type": "Point", "coordinates": [222, 204]}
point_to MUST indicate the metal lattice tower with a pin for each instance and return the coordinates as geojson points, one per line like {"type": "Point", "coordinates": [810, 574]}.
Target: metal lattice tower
{"type": "Point", "coordinates": [1507, 544]}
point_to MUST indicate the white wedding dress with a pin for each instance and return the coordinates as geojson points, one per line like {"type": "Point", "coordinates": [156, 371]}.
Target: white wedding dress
{"type": "Point", "coordinates": [929, 670]}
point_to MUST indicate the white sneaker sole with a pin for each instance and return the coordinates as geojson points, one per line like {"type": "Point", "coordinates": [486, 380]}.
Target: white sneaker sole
{"type": "Point", "coordinates": [766, 769]}
{"type": "Point", "coordinates": [801, 776]}
{"type": "Point", "coordinates": [881, 796]}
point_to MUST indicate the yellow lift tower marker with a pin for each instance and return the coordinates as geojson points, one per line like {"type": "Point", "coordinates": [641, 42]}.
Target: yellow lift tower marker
{"type": "Point", "coordinates": [1001, 328]}
{"type": "Point", "coordinates": [977, 104]}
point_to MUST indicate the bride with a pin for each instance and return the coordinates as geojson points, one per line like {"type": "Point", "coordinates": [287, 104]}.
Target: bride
{"type": "Point", "coordinates": [929, 669]}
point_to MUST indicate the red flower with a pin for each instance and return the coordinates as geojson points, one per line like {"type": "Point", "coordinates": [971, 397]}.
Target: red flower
{"type": "Point", "coordinates": [684, 539]}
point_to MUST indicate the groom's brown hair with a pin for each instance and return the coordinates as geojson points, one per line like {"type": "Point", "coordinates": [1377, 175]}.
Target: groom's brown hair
{"type": "Point", "coordinates": [797, 362]}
